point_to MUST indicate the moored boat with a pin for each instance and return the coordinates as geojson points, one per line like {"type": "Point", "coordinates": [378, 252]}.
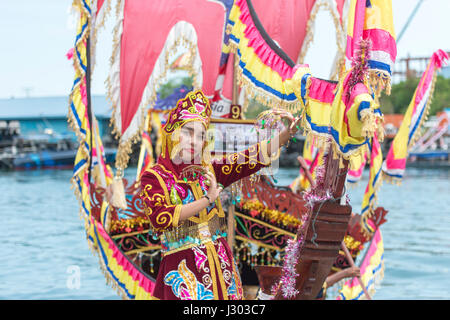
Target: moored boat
{"type": "Point", "coordinates": [43, 151]}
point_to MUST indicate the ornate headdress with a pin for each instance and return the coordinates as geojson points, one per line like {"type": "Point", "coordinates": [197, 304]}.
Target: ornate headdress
{"type": "Point", "coordinates": [194, 107]}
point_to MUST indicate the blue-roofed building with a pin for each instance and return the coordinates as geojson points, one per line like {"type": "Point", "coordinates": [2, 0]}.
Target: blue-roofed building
{"type": "Point", "coordinates": [35, 133]}
{"type": "Point", "coordinates": [41, 114]}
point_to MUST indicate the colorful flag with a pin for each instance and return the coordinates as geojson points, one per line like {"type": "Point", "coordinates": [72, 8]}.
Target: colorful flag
{"type": "Point", "coordinates": [267, 73]}
{"type": "Point", "coordinates": [375, 178]}
{"type": "Point", "coordinates": [290, 23]}
{"type": "Point", "coordinates": [356, 168]}
{"type": "Point", "coordinates": [372, 271]}
{"type": "Point", "coordinates": [409, 131]}
{"type": "Point", "coordinates": [373, 20]}
{"type": "Point", "coordinates": [313, 157]}
{"type": "Point", "coordinates": [89, 161]}
{"type": "Point", "coordinates": [354, 117]}
{"type": "Point", "coordinates": [90, 168]}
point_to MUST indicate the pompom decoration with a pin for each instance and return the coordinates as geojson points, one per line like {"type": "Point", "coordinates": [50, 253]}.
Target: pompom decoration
{"type": "Point", "coordinates": [290, 274]}
{"type": "Point", "coordinates": [320, 193]}
{"type": "Point", "coordinates": [360, 66]}
{"type": "Point", "coordinates": [69, 54]}
{"type": "Point", "coordinates": [293, 248]}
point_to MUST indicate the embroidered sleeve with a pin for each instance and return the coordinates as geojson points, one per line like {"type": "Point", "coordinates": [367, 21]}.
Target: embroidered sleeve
{"type": "Point", "coordinates": [235, 166]}
{"type": "Point", "coordinates": [156, 200]}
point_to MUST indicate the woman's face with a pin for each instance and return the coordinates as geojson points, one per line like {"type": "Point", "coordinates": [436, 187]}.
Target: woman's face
{"type": "Point", "coordinates": [192, 139]}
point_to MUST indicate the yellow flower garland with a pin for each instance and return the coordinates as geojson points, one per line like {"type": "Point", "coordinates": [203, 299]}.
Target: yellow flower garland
{"type": "Point", "coordinates": [273, 216]}
{"type": "Point", "coordinates": [133, 224]}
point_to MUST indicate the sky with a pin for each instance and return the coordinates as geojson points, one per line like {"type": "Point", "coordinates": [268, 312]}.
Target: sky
{"type": "Point", "coordinates": [35, 36]}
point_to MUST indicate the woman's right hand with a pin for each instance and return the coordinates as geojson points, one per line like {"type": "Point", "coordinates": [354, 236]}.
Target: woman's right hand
{"type": "Point", "coordinates": [213, 191]}
{"type": "Point", "coordinates": [353, 272]}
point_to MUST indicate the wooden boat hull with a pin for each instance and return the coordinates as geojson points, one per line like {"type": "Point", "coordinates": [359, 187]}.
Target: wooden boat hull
{"type": "Point", "coordinates": [323, 241]}
{"type": "Point", "coordinates": [326, 230]}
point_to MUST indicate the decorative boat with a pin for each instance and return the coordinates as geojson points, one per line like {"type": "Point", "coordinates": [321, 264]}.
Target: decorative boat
{"type": "Point", "coordinates": [129, 255]}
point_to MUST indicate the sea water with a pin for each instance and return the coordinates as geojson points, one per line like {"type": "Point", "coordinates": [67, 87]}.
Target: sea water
{"type": "Point", "coordinates": [45, 253]}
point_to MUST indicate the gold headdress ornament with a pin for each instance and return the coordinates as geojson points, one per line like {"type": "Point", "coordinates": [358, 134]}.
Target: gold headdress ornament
{"type": "Point", "coordinates": [194, 107]}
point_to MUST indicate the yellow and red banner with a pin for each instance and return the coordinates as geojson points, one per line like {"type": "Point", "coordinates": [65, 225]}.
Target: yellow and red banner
{"type": "Point", "coordinates": [89, 160]}
{"type": "Point", "coordinates": [373, 20]}
{"type": "Point", "coordinates": [265, 70]}
{"type": "Point", "coordinates": [409, 131]}
{"type": "Point", "coordinates": [313, 157]}
{"type": "Point", "coordinates": [372, 271]}
{"type": "Point", "coordinates": [90, 167]}
{"type": "Point", "coordinates": [357, 164]}
{"type": "Point", "coordinates": [375, 178]}
{"type": "Point", "coordinates": [348, 113]}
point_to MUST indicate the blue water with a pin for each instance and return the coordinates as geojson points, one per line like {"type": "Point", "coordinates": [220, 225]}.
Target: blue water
{"type": "Point", "coordinates": [44, 246]}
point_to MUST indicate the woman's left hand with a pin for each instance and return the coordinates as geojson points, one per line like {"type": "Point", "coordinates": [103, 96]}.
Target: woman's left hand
{"type": "Point", "coordinates": [293, 122]}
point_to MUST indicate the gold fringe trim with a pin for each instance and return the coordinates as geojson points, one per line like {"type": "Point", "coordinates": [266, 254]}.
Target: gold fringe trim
{"type": "Point", "coordinates": [125, 147]}
{"type": "Point", "coordinates": [259, 95]}
{"type": "Point", "coordinates": [380, 81]}
{"type": "Point", "coordinates": [84, 16]}
{"type": "Point", "coordinates": [391, 180]}
{"type": "Point", "coordinates": [309, 37]}
{"type": "Point", "coordinates": [98, 26]}
{"type": "Point", "coordinates": [110, 281]}
{"type": "Point", "coordinates": [89, 227]}
{"type": "Point", "coordinates": [79, 72]}
{"type": "Point", "coordinates": [369, 123]}
{"type": "Point", "coordinates": [325, 143]}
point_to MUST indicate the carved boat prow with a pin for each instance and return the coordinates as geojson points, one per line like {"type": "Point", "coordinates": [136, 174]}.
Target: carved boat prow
{"type": "Point", "coordinates": [325, 231]}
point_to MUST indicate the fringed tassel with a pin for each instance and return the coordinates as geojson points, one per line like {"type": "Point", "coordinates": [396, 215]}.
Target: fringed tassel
{"type": "Point", "coordinates": [392, 180]}
{"type": "Point", "coordinates": [118, 199]}
{"type": "Point", "coordinates": [380, 81]}
{"type": "Point", "coordinates": [259, 95]}
{"type": "Point", "coordinates": [369, 123]}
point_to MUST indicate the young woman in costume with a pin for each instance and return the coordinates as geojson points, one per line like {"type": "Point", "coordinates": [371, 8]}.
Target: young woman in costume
{"type": "Point", "coordinates": [184, 209]}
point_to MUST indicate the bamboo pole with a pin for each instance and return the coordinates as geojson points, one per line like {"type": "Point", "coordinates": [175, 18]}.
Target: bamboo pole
{"type": "Point", "coordinates": [235, 94]}
{"type": "Point", "coordinates": [352, 263]}
{"type": "Point", "coordinates": [89, 103]}
{"type": "Point", "coordinates": [231, 227]}
{"type": "Point", "coordinates": [230, 218]}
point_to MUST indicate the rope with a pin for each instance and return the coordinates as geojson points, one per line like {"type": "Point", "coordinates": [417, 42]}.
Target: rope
{"type": "Point", "coordinates": [314, 237]}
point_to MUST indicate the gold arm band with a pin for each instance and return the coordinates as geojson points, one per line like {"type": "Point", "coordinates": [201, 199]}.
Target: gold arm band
{"type": "Point", "coordinates": [176, 215]}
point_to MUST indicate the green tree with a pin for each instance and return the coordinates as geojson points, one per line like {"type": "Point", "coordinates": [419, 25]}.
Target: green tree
{"type": "Point", "coordinates": [254, 109]}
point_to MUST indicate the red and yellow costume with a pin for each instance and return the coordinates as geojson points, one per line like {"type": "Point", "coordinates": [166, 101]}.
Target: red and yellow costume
{"type": "Point", "coordinates": [197, 262]}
